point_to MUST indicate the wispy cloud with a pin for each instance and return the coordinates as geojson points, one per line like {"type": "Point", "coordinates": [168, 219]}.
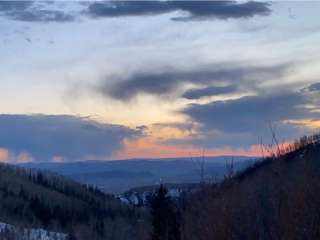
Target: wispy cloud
{"type": "Point", "coordinates": [164, 81]}
{"type": "Point", "coordinates": [209, 91]}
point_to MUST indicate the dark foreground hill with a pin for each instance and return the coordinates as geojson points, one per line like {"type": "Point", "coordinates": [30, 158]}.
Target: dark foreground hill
{"type": "Point", "coordinates": [33, 199]}
{"type": "Point", "coordinates": [277, 198]}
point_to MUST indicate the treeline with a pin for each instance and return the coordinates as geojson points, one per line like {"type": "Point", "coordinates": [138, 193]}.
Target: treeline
{"type": "Point", "coordinates": [37, 199]}
{"type": "Point", "coordinates": [277, 198]}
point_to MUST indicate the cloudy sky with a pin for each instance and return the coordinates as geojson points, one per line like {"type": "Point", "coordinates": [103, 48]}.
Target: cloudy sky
{"type": "Point", "coordinates": [116, 80]}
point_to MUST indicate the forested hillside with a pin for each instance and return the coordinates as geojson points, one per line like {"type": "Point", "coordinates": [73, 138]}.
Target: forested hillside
{"type": "Point", "coordinates": [33, 199]}
{"type": "Point", "coordinates": [278, 198]}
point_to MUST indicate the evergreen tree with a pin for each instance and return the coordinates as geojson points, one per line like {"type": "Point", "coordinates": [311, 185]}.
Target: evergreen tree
{"type": "Point", "coordinates": [165, 224]}
{"type": "Point", "coordinates": [71, 235]}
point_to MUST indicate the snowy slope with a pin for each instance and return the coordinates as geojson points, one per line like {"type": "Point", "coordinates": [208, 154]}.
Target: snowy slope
{"type": "Point", "coordinates": [10, 231]}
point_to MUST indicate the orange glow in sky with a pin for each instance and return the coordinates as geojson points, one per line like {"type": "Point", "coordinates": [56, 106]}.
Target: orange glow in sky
{"type": "Point", "coordinates": [147, 147]}
{"type": "Point", "coordinates": [4, 155]}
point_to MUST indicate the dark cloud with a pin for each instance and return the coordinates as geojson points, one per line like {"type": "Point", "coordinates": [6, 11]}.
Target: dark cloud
{"type": "Point", "coordinates": [128, 8]}
{"type": "Point", "coordinates": [248, 113]}
{"type": "Point", "coordinates": [151, 83]}
{"type": "Point", "coordinates": [221, 9]}
{"type": "Point", "coordinates": [249, 117]}
{"type": "Point", "coordinates": [165, 81]}
{"type": "Point", "coordinates": [46, 136]}
{"type": "Point", "coordinates": [34, 11]}
{"type": "Point", "coordinates": [197, 10]}
{"type": "Point", "coordinates": [41, 16]}
{"type": "Point", "coordinates": [209, 91]}
{"type": "Point", "coordinates": [29, 11]}
{"type": "Point", "coordinates": [313, 88]}
{"type": "Point", "coordinates": [14, 5]}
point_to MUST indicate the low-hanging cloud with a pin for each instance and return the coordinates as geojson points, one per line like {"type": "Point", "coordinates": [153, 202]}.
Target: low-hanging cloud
{"type": "Point", "coordinates": [196, 10]}
{"type": "Point", "coordinates": [167, 80]}
{"type": "Point", "coordinates": [72, 138]}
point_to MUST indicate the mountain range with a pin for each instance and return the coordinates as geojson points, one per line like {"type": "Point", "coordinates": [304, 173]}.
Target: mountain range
{"type": "Point", "coordinates": [121, 175]}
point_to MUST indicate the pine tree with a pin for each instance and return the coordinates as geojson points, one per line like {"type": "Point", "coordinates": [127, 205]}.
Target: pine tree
{"type": "Point", "coordinates": [71, 235]}
{"type": "Point", "coordinates": [165, 224]}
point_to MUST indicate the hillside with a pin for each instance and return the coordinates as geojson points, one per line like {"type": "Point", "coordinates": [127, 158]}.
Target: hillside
{"type": "Point", "coordinates": [34, 199]}
{"type": "Point", "coordinates": [277, 198]}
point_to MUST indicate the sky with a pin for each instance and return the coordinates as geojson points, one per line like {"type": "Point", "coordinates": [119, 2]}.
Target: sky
{"type": "Point", "coordinates": [154, 79]}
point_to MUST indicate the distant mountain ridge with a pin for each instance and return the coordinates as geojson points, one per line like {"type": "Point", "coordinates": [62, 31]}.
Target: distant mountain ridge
{"type": "Point", "coordinates": [121, 175]}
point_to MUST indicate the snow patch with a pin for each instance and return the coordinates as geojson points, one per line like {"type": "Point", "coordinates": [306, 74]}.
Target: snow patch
{"type": "Point", "coordinates": [30, 233]}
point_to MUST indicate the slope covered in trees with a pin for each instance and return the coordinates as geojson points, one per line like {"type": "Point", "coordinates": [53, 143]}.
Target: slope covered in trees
{"type": "Point", "coordinates": [277, 198]}
{"type": "Point", "coordinates": [38, 199]}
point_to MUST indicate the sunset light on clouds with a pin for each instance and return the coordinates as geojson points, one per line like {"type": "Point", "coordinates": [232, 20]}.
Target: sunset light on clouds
{"type": "Point", "coordinates": [161, 79]}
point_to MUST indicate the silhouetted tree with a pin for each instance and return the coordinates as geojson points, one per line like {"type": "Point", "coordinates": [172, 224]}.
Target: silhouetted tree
{"type": "Point", "coordinates": [165, 222]}
{"type": "Point", "coordinates": [71, 235]}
